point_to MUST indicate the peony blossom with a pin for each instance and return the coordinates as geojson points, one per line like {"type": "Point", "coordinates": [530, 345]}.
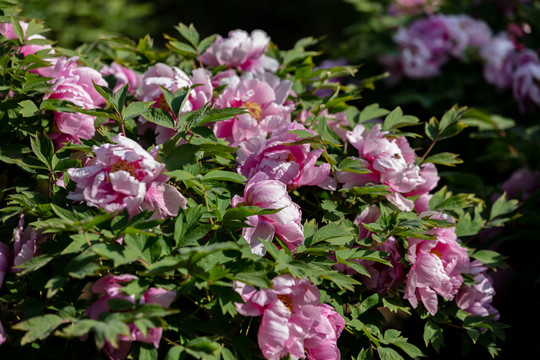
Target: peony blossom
{"type": "Point", "coordinates": [75, 84]}
{"type": "Point", "coordinates": [426, 45]}
{"type": "Point", "coordinates": [293, 165]}
{"type": "Point", "coordinates": [468, 32]}
{"type": "Point", "coordinates": [526, 80]}
{"type": "Point", "coordinates": [437, 266]}
{"type": "Point", "coordinates": [24, 243]}
{"type": "Point", "coordinates": [125, 176]}
{"type": "Point", "coordinates": [123, 76]}
{"type": "Point", "coordinates": [265, 98]}
{"type": "Point", "coordinates": [293, 320]}
{"type": "Point", "coordinates": [497, 55]}
{"type": "Point", "coordinates": [242, 51]}
{"type": "Point", "coordinates": [270, 194]}
{"type": "Point", "coordinates": [173, 79]}
{"type": "Point", "coordinates": [476, 299]}
{"type": "Point", "coordinates": [331, 324]}
{"type": "Point", "coordinates": [390, 162]}
{"type": "Point", "coordinates": [110, 287]}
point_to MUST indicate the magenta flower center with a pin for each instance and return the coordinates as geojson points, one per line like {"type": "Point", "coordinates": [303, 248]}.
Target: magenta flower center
{"type": "Point", "coordinates": [287, 301]}
{"type": "Point", "coordinates": [254, 110]}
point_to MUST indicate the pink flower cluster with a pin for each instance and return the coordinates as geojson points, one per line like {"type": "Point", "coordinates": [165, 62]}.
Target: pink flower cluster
{"type": "Point", "coordinates": [294, 322]}
{"type": "Point", "coordinates": [110, 287]}
{"type": "Point", "coordinates": [428, 43]}
{"type": "Point", "coordinates": [391, 161]}
{"type": "Point", "coordinates": [125, 176]}
{"type": "Point", "coordinates": [241, 51]}
{"type": "Point", "coordinates": [6, 29]}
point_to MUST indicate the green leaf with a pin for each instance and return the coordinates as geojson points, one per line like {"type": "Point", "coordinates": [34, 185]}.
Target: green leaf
{"type": "Point", "coordinates": [160, 117]}
{"type": "Point", "coordinates": [221, 114]}
{"type": "Point", "coordinates": [38, 328]}
{"type": "Point", "coordinates": [225, 176]}
{"type": "Point", "coordinates": [396, 119]}
{"type": "Point", "coordinates": [502, 206]}
{"type": "Point", "coordinates": [411, 350]}
{"type": "Point", "coordinates": [43, 148]}
{"type": "Point", "coordinates": [490, 258]}
{"type": "Point", "coordinates": [29, 109]}
{"type": "Point", "coordinates": [445, 158]}
{"type": "Point", "coordinates": [18, 29]}
{"type": "Point", "coordinates": [369, 302]}
{"type": "Point", "coordinates": [119, 98]}
{"type": "Point", "coordinates": [433, 334]}
{"type": "Point", "coordinates": [432, 128]}
{"type": "Point", "coordinates": [135, 109]}
{"type": "Point", "coordinates": [371, 112]}
{"type": "Point", "coordinates": [386, 353]}
{"type": "Point", "coordinates": [189, 33]}
{"type": "Point", "coordinates": [341, 280]}
{"type": "Point", "coordinates": [177, 100]}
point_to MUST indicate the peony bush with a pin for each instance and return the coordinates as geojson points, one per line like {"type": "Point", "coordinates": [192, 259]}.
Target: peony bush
{"type": "Point", "coordinates": [225, 199]}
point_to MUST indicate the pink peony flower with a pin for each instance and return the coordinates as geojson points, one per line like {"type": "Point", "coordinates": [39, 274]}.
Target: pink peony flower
{"type": "Point", "coordinates": [125, 176]}
{"type": "Point", "coordinates": [477, 299]}
{"type": "Point", "coordinates": [241, 51]}
{"type": "Point", "coordinates": [331, 324]}
{"type": "Point", "coordinates": [391, 162]}
{"type": "Point", "coordinates": [110, 287]}
{"type": "Point", "coordinates": [264, 96]}
{"type": "Point", "coordinates": [425, 45]}
{"type": "Point", "coordinates": [24, 243]}
{"type": "Point", "coordinates": [293, 165]}
{"type": "Point", "coordinates": [497, 55]}
{"type": "Point", "coordinates": [526, 80]}
{"type": "Point", "coordinates": [293, 320]}
{"type": "Point", "coordinates": [74, 83]}
{"type": "Point", "coordinates": [437, 267]}
{"type": "Point", "coordinates": [173, 79]}
{"type": "Point", "coordinates": [123, 76]}
{"type": "Point", "coordinates": [270, 194]}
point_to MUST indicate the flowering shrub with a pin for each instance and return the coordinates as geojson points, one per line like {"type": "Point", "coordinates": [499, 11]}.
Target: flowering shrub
{"type": "Point", "coordinates": [151, 213]}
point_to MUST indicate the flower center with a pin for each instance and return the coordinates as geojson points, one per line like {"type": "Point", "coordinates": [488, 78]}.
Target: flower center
{"type": "Point", "coordinates": [290, 158]}
{"type": "Point", "coordinates": [254, 109]}
{"type": "Point", "coordinates": [436, 252]}
{"type": "Point", "coordinates": [287, 301]}
{"type": "Point", "coordinates": [125, 166]}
